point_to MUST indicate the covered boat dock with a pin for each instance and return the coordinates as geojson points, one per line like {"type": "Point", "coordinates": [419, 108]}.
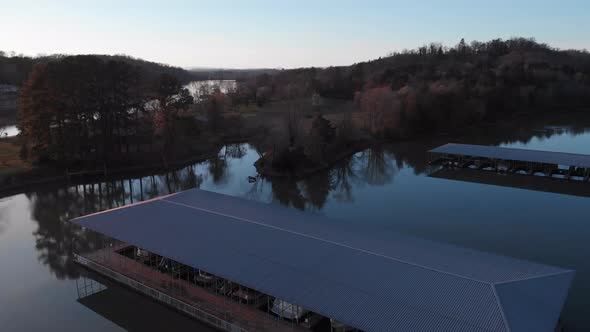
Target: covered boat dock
{"type": "Point", "coordinates": [548, 163]}
{"type": "Point", "coordinates": [334, 270]}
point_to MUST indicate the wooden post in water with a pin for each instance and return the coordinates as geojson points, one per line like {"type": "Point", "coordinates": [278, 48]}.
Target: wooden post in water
{"type": "Point", "coordinates": [141, 188]}
{"type": "Point", "coordinates": [130, 192]}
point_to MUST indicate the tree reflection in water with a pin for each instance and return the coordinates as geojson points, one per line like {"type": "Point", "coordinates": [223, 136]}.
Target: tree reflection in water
{"type": "Point", "coordinates": [235, 151]}
{"type": "Point", "coordinates": [376, 166]}
{"type": "Point", "coordinates": [217, 167]}
{"type": "Point", "coordinates": [287, 192]}
{"type": "Point", "coordinates": [317, 188]}
{"type": "Point", "coordinates": [373, 167]}
{"type": "Point", "coordinates": [52, 207]}
{"type": "Point", "coordinates": [343, 177]}
{"type": "Point", "coordinates": [56, 238]}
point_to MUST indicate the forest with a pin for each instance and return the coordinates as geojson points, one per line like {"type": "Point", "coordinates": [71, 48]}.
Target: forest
{"type": "Point", "coordinates": [436, 88]}
{"type": "Point", "coordinates": [84, 111]}
{"type": "Point", "coordinates": [15, 68]}
{"type": "Point", "coordinates": [431, 90]}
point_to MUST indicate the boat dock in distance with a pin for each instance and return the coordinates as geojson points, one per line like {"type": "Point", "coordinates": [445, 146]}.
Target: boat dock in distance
{"type": "Point", "coordinates": [570, 166]}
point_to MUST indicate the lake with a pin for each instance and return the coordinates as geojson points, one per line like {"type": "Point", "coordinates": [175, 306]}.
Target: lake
{"type": "Point", "coordinates": [201, 88]}
{"type": "Point", "coordinates": [9, 131]}
{"type": "Point", "coordinates": [386, 189]}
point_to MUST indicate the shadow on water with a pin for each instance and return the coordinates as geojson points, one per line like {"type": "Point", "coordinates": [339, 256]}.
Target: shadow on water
{"type": "Point", "coordinates": [546, 184]}
{"type": "Point", "coordinates": [364, 173]}
{"type": "Point", "coordinates": [100, 295]}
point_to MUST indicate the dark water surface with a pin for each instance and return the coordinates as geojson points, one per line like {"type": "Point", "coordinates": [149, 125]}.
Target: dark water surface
{"type": "Point", "coordinates": [387, 189]}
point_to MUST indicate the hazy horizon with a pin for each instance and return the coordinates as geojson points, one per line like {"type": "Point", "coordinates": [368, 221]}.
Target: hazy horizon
{"type": "Point", "coordinates": [264, 34]}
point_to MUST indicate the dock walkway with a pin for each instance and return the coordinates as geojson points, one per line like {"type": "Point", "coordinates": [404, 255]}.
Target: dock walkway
{"type": "Point", "coordinates": [242, 317]}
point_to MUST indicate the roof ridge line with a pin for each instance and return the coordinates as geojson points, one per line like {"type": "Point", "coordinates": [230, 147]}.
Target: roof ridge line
{"type": "Point", "coordinates": [534, 277]}
{"type": "Point", "coordinates": [508, 329]}
{"type": "Point", "coordinates": [124, 206]}
{"type": "Point", "coordinates": [327, 241]}
{"type": "Point", "coordinates": [511, 148]}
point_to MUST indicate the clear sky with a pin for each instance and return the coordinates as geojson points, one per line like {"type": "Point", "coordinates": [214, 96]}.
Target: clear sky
{"type": "Point", "coordinates": [279, 33]}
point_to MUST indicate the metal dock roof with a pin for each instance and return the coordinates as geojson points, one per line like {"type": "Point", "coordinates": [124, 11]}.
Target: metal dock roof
{"type": "Point", "coordinates": [397, 283]}
{"type": "Point", "coordinates": [496, 152]}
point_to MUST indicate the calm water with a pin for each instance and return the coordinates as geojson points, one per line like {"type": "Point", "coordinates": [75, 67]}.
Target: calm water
{"type": "Point", "coordinates": [386, 189]}
{"type": "Point", "coordinates": [198, 88]}
{"type": "Point", "coordinates": [9, 131]}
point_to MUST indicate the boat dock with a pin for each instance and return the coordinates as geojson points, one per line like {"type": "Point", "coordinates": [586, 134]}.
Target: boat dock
{"type": "Point", "coordinates": [180, 293]}
{"type": "Point", "coordinates": [511, 160]}
{"type": "Point", "coordinates": [241, 265]}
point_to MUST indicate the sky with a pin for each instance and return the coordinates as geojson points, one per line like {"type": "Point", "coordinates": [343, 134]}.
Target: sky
{"type": "Point", "coordinates": [279, 33]}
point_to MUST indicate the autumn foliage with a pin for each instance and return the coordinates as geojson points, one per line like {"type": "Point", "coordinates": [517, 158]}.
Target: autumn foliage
{"type": "Point", "coordinates": [82, 109]}
{"type": "Point", "coordinates": [435, 88]}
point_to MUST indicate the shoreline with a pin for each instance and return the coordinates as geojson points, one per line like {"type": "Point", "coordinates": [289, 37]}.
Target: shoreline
{"type": "Point", "coordinates": [451, 135]}
{"type": "Point", "coordinates": [20, 180]}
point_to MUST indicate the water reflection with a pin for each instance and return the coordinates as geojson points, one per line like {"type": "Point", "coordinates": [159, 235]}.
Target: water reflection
{"type": "Point", "coordinates": [383, 183]}
{"type": "Point", "coordinates": [288, 193]}
{"type": "Point", "coordinates": [217, 167]}
{"type": "Point", "coordinates": [378, 166]}
{"type": "Point", "coordinates": [51, 208]}
{"type": "Point", "coordinates": [55, 237]}
{"type": "Point", "coordinates": [120, 306]}
{"type": "Point", "coordinates": [537, 183]}
{"type": "Point", "coordinates": [4, 220]}
{"type": "Point", "coordinates": [207, 87]}
{"type": "Point", "coordinates": [344, 178]}
{"type": "Point", "coordinates": [9, 131]}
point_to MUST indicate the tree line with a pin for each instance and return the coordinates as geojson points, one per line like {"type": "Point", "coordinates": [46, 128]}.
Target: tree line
{"type": "Point", "coordinates": [437, 88]}
{"type": "Point", "coordinates": [81, 110]}
{"type": "Point", "coordinates": [15, 68]}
